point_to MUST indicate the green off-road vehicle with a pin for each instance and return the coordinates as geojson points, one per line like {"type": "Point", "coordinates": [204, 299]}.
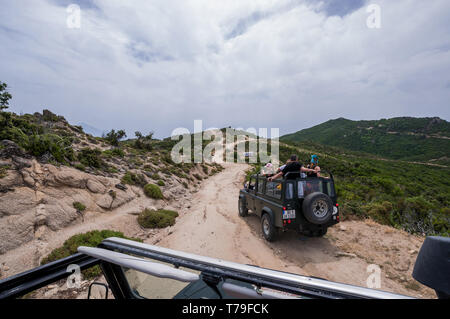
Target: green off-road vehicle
{"type": "Point", "coordinates": [306, 204]}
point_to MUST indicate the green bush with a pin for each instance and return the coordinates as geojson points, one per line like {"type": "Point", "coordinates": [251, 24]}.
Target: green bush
{"type": "Point", "coordinates": [79, 206]}
{"type": "Point", "coordinates": [60, 148]}
{"type": "Point", "coordinates": [381, 212]}
{"type": "Point", "coordinates": [157, 218]}
{"type": "Point", "coordinates": [90, 239]}
{"type": "Point", "coordinates": [91, 157]}
{"type": "Point", "coordinates": [134, 179]}
{"type": "Point", "coordinates": [161, 183]}
{"type": "Point", "coordinates": [156, 176]}
{"type": "Point", "coordinates": [114, 152]}
{"type": "Point", "coordinates": [153, 191]}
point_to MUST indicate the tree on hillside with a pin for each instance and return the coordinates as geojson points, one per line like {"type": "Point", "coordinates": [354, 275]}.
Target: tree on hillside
{"type": "Point", "coordinates": [5, 96]}
{"type": "Point", "coordinates": [114, 137]}
{"type": "Point", "coordinates": [143, 142]}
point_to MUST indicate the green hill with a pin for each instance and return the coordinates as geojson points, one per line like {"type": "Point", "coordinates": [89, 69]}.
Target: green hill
{"type": "Point", "coordinates": [402, 138]}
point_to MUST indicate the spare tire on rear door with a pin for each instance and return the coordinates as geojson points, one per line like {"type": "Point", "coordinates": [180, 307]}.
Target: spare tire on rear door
{"type": "Point", "coordinates": [317, 208]}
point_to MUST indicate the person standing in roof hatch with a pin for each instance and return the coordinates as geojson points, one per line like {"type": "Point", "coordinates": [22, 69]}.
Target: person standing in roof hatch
{"type": "Point", "coordinates": [314, 165]}
{"type": "Point", "coordinates": [293, 166]}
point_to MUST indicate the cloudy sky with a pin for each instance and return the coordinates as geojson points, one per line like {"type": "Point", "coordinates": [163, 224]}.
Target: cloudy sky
{"type": "Point", "coordinates": [290, 64]}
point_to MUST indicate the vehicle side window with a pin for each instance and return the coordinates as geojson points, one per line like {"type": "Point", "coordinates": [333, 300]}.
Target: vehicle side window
{"type": "Point", "coordinates": [289, 190]}
{"type": "Point", "coordinates": [273, 189]}
{"type": "Point", "coordinates": [301, 189]}
{"type": "Point", "coordinates": [260, 186]}
{"type": "Point", "coordinates": [330, 189]}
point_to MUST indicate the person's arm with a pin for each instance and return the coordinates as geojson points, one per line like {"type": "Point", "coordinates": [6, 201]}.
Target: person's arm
{"type": "Point", "coordinates": [275, 177]}
{"type": "Point", "coordinates": [306, 170]}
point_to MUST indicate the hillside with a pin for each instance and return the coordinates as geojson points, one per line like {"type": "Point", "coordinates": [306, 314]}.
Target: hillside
{"type": "Point", "coordinates": [53, 176]}
{"type": "Point", "coordinates": [403, 138]}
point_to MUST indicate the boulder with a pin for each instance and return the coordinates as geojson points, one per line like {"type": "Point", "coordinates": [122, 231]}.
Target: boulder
{"type": "Point", "coordinates": [105, 201]}
{"type": "Point", "coordinates": [16, 230]}
{"type": "Point", "coordinates": [29, 181]}
{"type": "Point", "coordinates": [95, 186]}
{"type": "Point", "coordinates": [66, 177]}
{"type": "Point", "coordinates": [21, 162]}
{"type": "Point", "coordinates": [17, 202]}
{"type": "Point", "coordinates": [13, 179]}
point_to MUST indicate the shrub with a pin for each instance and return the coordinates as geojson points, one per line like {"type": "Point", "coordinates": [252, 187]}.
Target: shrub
{"type": "Point", "coordinates": [90, 157]}
{"type": "Point", "coordinates": [60, 148]}
{"type": "Point", "coordinates": [161, 183]}
{"type": "Point", "coordinates": [49, 116]}
{"type": "Point", "coordinates": [116, 151]}
{"type": "Point", "coordinates": [153, 191]}
{"type": "Point", "coordinates": [79, 206]}
{"type": "Point", "coordinates": [90, 239]}
{"type": "Point", "coordinates": [157, 218]}
{"type": "Point", "coordinates": [198, 177]}
{"type": "Point", "coordinates": [381, 213]}
{"type": "Point", "coordinates": [134, 179]}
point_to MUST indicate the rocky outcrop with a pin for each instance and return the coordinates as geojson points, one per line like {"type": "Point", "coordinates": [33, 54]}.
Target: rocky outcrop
{"type": "Point", "coordinates": [37, 198]}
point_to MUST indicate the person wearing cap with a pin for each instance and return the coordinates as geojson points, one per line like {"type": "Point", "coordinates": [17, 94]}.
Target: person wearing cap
{"type": "Point", "coordinates": [293, 166]}
{"type": "Point", "coordinates": [314, 165]}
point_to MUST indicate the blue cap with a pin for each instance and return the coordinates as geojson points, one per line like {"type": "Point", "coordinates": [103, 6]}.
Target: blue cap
{"type": "Point", "coordinates": [314, 159]}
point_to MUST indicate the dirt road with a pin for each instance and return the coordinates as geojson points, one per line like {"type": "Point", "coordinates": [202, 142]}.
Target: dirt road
{"type": "Point", "coordinates": [212, 227]}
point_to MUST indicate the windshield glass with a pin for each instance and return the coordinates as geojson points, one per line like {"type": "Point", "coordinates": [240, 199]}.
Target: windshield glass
{"type": "Point", "coordinates": [151, 287]}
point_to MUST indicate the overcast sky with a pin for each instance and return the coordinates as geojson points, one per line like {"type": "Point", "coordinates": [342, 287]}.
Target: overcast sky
{"type": "Point", "coordinates": [289, 64]}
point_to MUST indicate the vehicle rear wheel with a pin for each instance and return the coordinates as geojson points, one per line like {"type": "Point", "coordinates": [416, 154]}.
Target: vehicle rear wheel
{"type": "Point", "coordinates": [243, 211]}
{"type": "Point", "coordinates": [268, 228]}
{"type": "Point", "coordinates": [317, 208]}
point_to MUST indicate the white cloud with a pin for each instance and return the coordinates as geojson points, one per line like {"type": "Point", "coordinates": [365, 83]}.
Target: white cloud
{"type": "Point", "coordinates": [158, 65]}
